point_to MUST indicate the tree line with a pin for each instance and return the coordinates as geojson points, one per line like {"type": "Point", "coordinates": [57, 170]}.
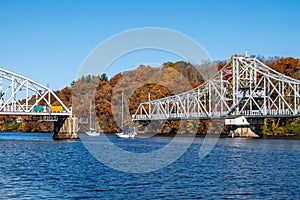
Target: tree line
{"type": "Point", "coordinates": [172, 78]}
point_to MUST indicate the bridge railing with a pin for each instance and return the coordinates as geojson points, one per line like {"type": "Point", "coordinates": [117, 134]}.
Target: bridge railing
{"type": "Point", "coordinates": [193, 115]}
{"type": "Point", "coordinates": [10, 109]}
{"type": "Point", "coordinates": [271, 112]}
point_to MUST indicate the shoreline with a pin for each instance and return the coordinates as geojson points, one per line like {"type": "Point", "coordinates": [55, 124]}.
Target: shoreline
{"type": "Point", "coordinates": [293, 137]}
{"type": "Point", "coordinates": [287, 137]}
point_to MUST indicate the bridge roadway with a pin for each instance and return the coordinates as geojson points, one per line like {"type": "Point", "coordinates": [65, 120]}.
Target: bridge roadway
{"type": "Point", "coordinates": [243, 87]}
{"type": "Point", "coordinates": [217, 115]}
{"type": "Point", "coordinates": [21, 96]}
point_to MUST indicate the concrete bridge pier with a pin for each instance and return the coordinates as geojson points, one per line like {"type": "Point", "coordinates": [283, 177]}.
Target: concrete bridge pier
{"type": "Point", "coordinates": [242, 127]}
{"type": "Point", "coordinates": [65, 128]}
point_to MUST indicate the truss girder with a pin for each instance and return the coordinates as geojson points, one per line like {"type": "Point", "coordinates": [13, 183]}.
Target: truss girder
{"type": "Point", "coordinates": [19, 96]}
{"type": "Point", "coordinates": [245, 86]}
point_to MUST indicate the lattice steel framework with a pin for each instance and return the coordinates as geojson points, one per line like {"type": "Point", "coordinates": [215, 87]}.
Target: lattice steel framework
{"type": "Point", "coordinates": [20, 95]}
{"type": "Point", "coordinates": [245, 86]}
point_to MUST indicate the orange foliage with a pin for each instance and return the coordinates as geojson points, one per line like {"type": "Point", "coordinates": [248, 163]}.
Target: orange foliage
{"type": "Point", "coordinates": [287, 66]}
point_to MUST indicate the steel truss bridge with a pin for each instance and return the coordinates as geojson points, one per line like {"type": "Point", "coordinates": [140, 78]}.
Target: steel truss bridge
{"type": "Point", "coordinates": [244, 86]}
{"type": "Point", "coordinates": [21, 96]}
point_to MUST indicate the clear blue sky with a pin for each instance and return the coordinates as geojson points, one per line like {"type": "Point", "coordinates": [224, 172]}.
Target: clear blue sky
{"type": "Point", "coordinates": [47, 40]}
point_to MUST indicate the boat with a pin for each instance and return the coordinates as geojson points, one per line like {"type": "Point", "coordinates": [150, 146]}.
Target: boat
{"type": "Point", "coordinates": [92, 131]}
{"type": "Point", "coordinates": [122, 135]}
{"type": "Point", "coordinates": [126, 133]}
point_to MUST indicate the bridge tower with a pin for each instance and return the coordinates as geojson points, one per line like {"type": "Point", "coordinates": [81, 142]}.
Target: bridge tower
{"type": "Point", "coordinates": [21, 96]}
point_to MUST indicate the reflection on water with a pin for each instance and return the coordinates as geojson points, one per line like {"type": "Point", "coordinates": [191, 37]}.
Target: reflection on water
{"type": "Point", "coordinates": [33, 166]}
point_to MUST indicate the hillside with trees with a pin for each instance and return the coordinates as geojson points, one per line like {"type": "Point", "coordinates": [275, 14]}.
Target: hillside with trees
{"type": "Point", "coordinates": [140, 84]}
{"type": "Point", "coordinates": [105, 89]}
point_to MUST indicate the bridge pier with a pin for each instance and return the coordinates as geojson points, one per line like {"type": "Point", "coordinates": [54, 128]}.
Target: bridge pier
{"type": "Point", "coordinates": [239, 126]}
{"type": "Point", "coordinates": [242, 131]}
{"type": "Point", "coordinates": [65, 128]}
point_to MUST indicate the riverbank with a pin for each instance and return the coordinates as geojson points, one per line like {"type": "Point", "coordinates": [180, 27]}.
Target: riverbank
{"type": "Point", "coordinates": [146, 135]}
{"type": "Point", "coordinates": [294, 137]}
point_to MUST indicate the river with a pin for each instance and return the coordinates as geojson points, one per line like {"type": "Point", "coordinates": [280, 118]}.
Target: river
{"type": "Point", "coordinates": [33, 166]}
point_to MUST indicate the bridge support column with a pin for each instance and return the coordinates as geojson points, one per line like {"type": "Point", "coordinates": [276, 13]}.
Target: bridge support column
{"type": "Point", "coordinates": [239, 126]}
{"type": "Point", "coordinates": [65, 128]}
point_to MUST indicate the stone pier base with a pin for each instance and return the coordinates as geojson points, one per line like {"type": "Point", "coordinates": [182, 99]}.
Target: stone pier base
{"type": "Point", "coordinates": [65, 128]}
{"type": "Point", "coordinates": [242, 127]}
{"type": "Point", "coordinates": [242, 132]}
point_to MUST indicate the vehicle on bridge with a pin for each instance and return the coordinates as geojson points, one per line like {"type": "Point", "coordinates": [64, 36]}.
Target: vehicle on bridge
{"type": "Point", "coordinates": [38, 108]}
{"type": "Point", "coordinates": [56, 108]}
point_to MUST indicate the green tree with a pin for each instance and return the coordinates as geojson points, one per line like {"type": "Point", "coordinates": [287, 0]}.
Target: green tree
{"type": "Point", "coordinates": [72, 84]}
{"type": "Point", "coordinates": [103, 77]}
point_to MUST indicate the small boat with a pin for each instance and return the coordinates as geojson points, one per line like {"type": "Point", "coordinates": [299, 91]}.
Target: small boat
{"type": "Point", "coordinates": [127, 134]}
{"type": "Point", "coordinates": [92, 131]}
{"type": "Point", "coordinates": [122, 135]}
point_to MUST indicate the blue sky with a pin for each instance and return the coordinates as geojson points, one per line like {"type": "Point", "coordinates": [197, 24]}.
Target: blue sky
{"type": "Point", "coordinates": [47, 40]}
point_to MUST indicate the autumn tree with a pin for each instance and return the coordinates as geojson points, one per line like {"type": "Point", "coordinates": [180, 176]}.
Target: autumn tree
{"type": "Point", "coordinates": [287, 66]}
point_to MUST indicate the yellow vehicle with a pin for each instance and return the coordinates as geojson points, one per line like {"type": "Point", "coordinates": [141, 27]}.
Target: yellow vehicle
{"type": "Point", "coordinates": [56, 108]}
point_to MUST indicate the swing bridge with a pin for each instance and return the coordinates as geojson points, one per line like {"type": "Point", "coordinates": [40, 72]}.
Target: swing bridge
{"type": "Point", "coordinates": [243, 87]}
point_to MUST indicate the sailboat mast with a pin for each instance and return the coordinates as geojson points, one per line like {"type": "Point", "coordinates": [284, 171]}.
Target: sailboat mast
{"type": "Point", "coordinates": [90, 115]}
{"type": "Point", "coordinates": [122, 109]}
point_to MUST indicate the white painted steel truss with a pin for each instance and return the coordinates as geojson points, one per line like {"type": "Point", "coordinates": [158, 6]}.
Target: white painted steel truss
{"type": "Point", "coordinates": [21, 96]}
{"type": "Point", "coordinates": [245, 86]}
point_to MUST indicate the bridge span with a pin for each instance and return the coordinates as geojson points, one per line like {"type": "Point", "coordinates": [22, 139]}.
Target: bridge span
{"type": "Point", "coordinates": [21, 96]}
{"type": "Point", "coordinates": [243, 87]}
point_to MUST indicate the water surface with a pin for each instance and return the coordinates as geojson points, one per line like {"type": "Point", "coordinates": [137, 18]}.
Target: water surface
{"type": "Point", "coordinates": [33, 166]}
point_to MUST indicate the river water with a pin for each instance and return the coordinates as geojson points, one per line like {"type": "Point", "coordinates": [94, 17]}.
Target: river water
{"type": "Point", "coordinates": [33, 166]}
